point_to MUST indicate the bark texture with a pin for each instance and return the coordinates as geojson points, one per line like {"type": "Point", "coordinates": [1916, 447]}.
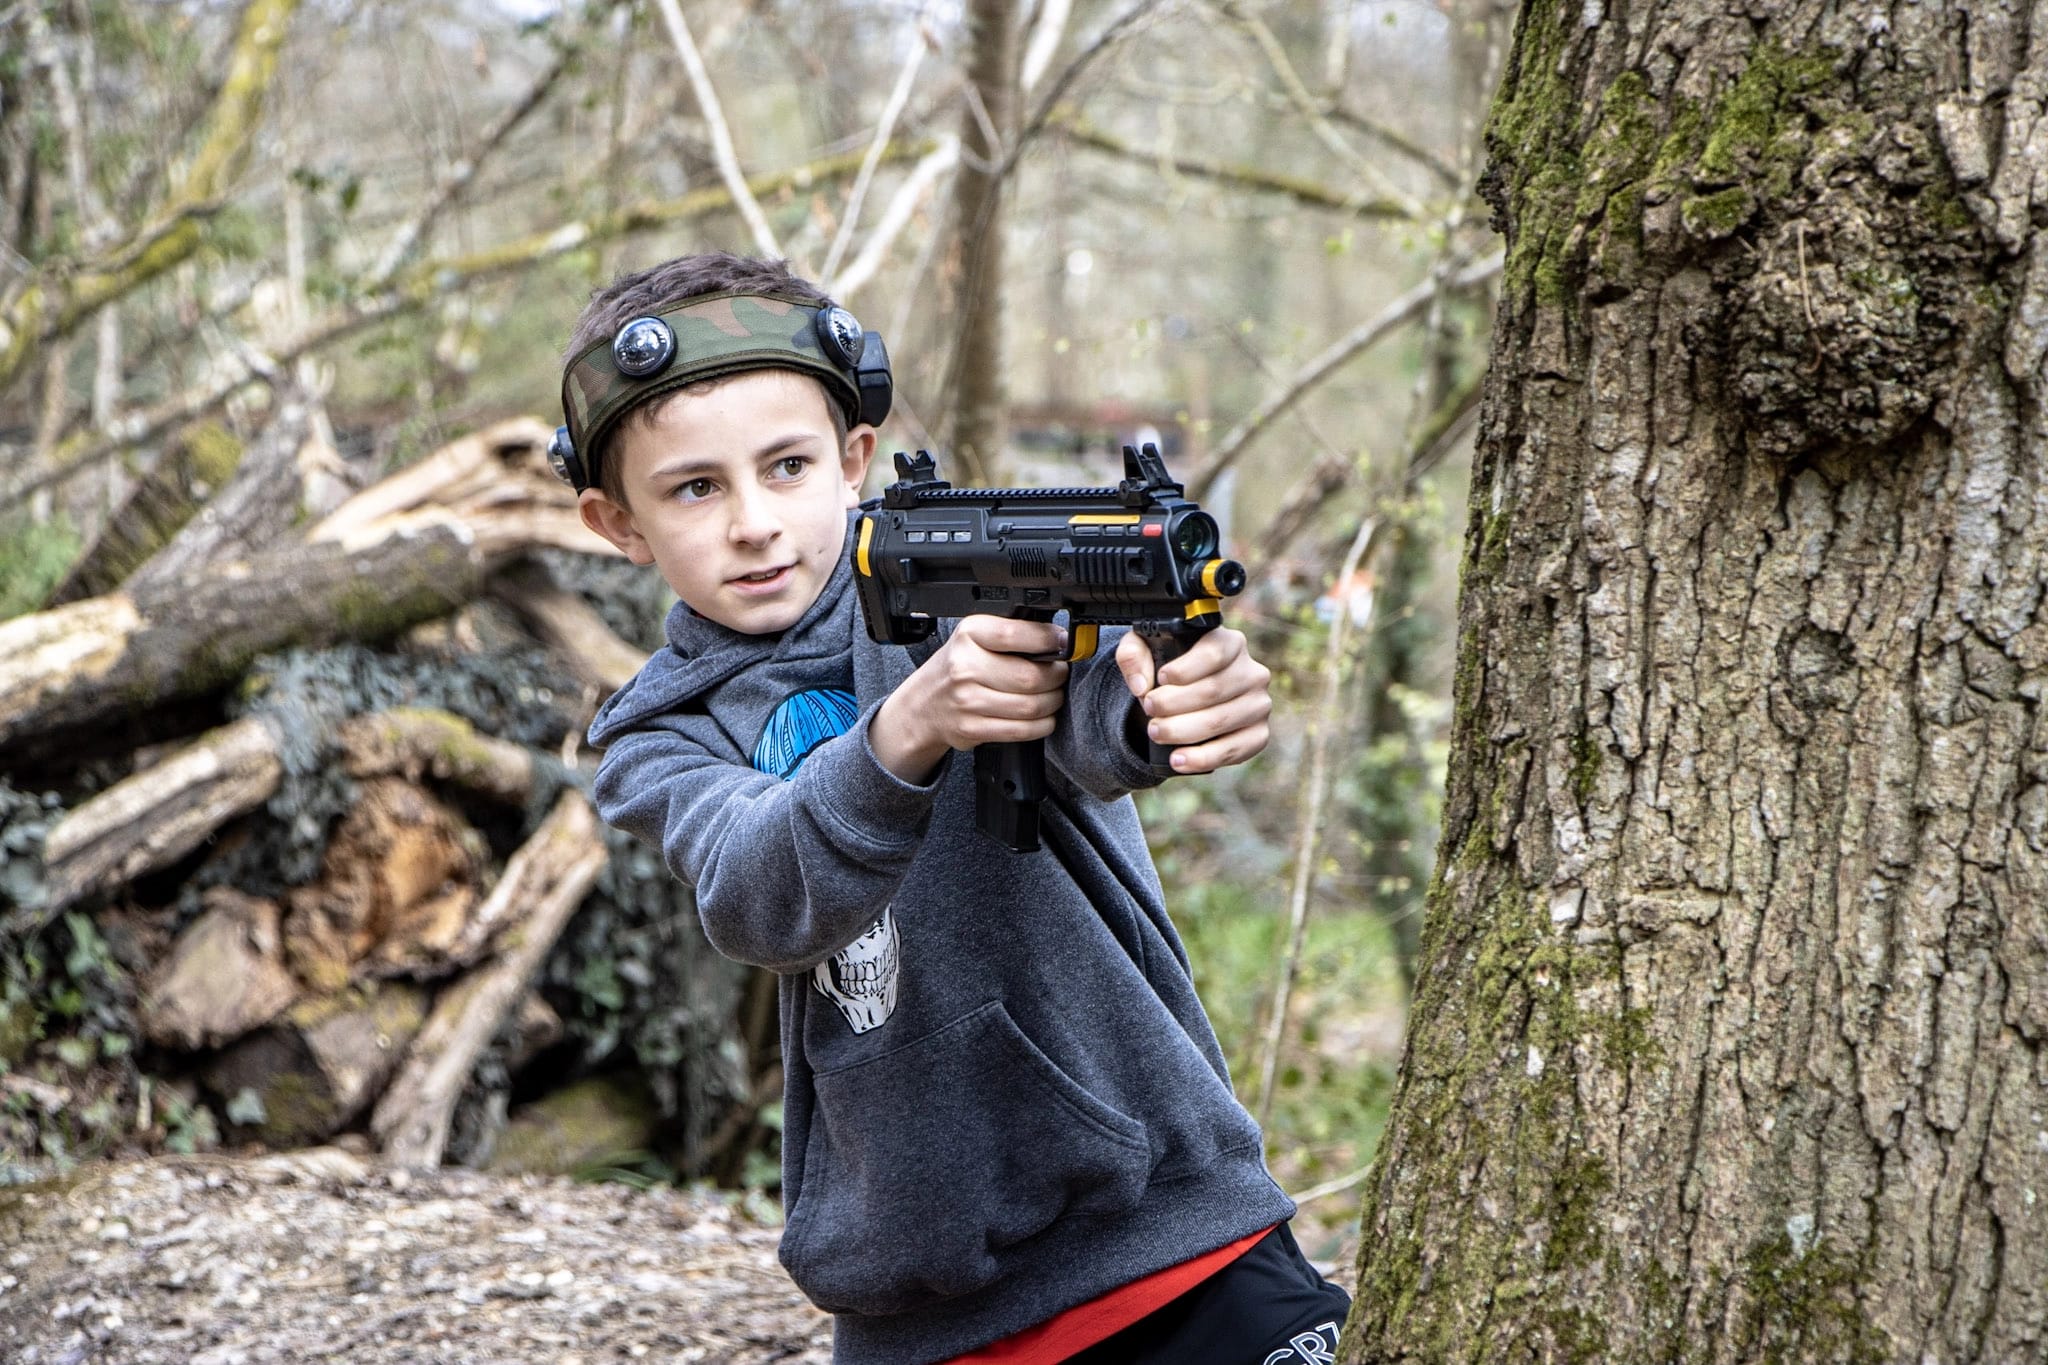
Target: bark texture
{"type": "Point", "coordinates": [1730, 1041]}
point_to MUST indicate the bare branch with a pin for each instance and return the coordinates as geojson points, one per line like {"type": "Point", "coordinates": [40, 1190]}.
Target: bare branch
{"type": "Point", "coordinates": [898, 97]}
{"type": "Point", "coordinates": [1400, 142]}
{"type": "Point", "coordinates": [1045, 40]}
{"type": "Point", "coordinates": [896, 217]}
{"type": "Point", "coordinates": [1297, 93]}
{"type": "Point", "coordinates": [1082, 133]}
{"type": "Point", "coordinates": [416, 288]}
{"type": "Point", "coordinates": [714, 119]}
{"type": "Point", "coordinates": [1315, 786]}
{"type": "Point", "coordinates": [456, 179]}
{"type": "Point", "coordinates": [67, 294]}
{"type": "Point", "coordinates": [1395, 314]}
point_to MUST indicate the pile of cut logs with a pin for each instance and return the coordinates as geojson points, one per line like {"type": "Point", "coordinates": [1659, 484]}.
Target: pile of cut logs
{"type": "Point", "coordinates": [374, 989]}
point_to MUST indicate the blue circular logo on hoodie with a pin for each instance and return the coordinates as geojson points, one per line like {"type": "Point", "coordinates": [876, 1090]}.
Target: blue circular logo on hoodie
{"type": "Point", "coordinates": [801, 724]}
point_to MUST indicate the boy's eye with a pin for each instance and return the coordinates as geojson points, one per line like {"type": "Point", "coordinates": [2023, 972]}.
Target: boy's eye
{"type": "Point", "coordinates": [691, 490]}
{"type": "Point", "coordinates": [792, 466]}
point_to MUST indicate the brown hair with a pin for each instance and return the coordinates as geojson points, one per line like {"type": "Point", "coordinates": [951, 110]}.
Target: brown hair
{"type": "Point", "coordinates": [663, 286]}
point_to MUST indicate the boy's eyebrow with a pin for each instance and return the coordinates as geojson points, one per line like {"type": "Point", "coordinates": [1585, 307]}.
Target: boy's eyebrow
{"type": "Point", "coordinates": [693, 468]}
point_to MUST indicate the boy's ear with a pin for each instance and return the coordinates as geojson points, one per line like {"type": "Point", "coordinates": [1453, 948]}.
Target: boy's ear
{"type": "Point", "coordinates": [614, 523]}
{"type": "Point", "coordinates": [853, 465]}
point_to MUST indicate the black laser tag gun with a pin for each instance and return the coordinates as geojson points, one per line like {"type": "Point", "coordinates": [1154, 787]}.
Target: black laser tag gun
{"type": "Point", "coordinates": [1139, 554]}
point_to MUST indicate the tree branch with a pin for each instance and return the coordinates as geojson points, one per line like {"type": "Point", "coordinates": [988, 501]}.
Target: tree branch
{"type": "Point", "coordinates": [1400, 311]}
{"type": "Point", "coordinates": [456, 180]}
{"type": "Point", "coordinates": [50, 307]}
{"type": "Point", "coordinates": [1315, 785]}
{"type": "Point", "coordinates": [1304, 103]}
{"type": "Point", "coordinates": [714, 118]}
{"type": "Point", "coordinates": [1313, 193]}
{"type": "Point", "coordinates": [898, 97]}
{"type": "Point", "coordinates": [418, 287]}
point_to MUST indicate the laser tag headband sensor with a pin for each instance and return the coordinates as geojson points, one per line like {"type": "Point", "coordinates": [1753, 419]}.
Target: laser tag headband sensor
{"type": "Point", "coordinates": [709, 337]}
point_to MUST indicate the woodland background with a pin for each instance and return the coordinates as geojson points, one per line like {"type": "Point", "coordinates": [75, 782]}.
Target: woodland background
{"type": "Point", "coordinates": [283, 289]}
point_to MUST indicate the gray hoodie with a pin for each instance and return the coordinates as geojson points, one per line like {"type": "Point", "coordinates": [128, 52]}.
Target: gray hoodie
{"type": "Point", "coordinates": [1002, 1098]}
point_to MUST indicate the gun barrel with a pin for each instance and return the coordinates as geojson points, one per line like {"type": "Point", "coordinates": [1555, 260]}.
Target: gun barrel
{"type": "Point", "coordinates": [993, 552]}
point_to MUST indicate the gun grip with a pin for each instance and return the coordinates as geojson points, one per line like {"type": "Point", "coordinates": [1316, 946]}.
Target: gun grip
{"type": "Point", "coordinates": [1009, 784]}
{"type": "Point", "coordinates": [1168, 641]}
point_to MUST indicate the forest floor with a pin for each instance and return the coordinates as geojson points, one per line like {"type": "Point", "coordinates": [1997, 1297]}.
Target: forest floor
{"type": "Point", "coordinates": [318, 1255]}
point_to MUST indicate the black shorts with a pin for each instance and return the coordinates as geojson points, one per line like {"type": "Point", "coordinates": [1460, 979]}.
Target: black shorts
{"type": "Point", "coordinates": [1267, 1307]}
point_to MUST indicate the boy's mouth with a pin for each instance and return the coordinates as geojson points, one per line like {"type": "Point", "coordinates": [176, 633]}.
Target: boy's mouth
{"type": "Point", "coordinates": [764, 578]}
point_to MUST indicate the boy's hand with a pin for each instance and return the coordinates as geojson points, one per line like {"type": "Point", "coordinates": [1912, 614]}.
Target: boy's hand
{"type": "Point", "coordinates": [1211, 701]}
{"type": "Point", "coordinates": [977, 689]}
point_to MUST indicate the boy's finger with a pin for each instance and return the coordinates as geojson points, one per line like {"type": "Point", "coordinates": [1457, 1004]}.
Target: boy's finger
{"type": "Point", "coordinates": [1221, 752]}
{"type": "Point", "coordinates": [1134, 658]}
{"type": "Point", "coordinates": [1211, 722]}
{"type": "Point", "coordinates": [1245, 679]}
{"type": "Point", "coordinates": [1212, 652]}
{"type": "Point", "coordinates": [1001, 635]}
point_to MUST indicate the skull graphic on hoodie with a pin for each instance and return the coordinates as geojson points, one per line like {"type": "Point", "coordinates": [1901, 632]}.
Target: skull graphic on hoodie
{"type": "Point", "coordinates": [861, 977]}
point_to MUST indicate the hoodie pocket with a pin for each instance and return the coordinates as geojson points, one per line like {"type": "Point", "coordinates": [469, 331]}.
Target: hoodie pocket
{"type": "Point", "coordinates": [924, 1163]}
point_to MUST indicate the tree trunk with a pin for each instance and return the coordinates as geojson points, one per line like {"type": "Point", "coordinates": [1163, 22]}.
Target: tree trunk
{"type": "Point", "coordinates": [976, 366]}
{"type": "Point", "coordinates": [1730, 1041]}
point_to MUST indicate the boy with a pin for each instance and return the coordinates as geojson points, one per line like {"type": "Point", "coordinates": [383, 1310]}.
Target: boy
{"type": "Point", "coordinates": [1008, 1132]}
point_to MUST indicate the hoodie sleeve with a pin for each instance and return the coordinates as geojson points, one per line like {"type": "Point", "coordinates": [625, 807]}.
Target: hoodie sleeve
{"type": "Point", "coordinates": [1098, 744]}
{"type": "Point", "coordinates": [786, 872]}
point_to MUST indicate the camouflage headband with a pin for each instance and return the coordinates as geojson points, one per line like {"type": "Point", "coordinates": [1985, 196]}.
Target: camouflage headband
{"type": "Point", "coordinates": [710, 336]}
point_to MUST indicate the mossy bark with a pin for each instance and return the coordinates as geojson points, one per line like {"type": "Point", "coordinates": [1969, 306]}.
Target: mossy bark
{"type": "Point", "coordinates": [1730, 1041]}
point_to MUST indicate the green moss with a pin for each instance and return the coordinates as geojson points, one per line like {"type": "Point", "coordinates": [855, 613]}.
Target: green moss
{"type": "Point", "coordinates": [1529, 134]}
{"type": "Point", "coordinates": [33, 561]}
{"type": "Point", "coordinates": [366, 611]}
{"type": "Point", "coordinates": [20, 1027]}
{"type": "Point", "coordinates": [1756, 120]}
{"type": "Point", "coordinates": [1626, 1040]}
{"type": "Point", "coordinates": [1681, 143]}
{"type": "Point", "coordinates": [1493, 543]}
{"type": "Point", "coordinates": [213, 452]}
{"type": "Point", "coordinates": [1623, 215]}
{"type": "Point", "coordinates": [1719, 214]}
{"type": "Point", "coordinates": [1585, 766]}
{"type": "Point", "coordinates": [1622, 146]}
{"type": "Point", "coordinates": [1574, 1231]}
{"type": "Point", "coordinates": [1948, 215]}
{"type": "Point", "coordinates": [294, 1111]}
{"type": "Point", "coordinates": [1802, 1306]}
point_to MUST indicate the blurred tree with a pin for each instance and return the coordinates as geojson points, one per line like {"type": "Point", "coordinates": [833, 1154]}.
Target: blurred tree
{"type": "Point", "coordinates": [988, 124]}
{"type": "Point", "coordinates": [1731, 1027]}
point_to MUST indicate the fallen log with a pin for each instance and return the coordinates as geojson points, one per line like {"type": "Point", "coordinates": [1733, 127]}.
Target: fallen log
{"type": "Point", "coordinates": [156, 816]}
{"type": "Point", "coordinates": [225, 975]}
{"type": "Point", "coordinates": [317, 1067]}
{"type": "Point", "coordinates": [413, 742]}
{"type": "Point", "coordinates": [396, 892]}
{"type": "Point", "coordinates": [405, 550]}
{"type": "Point", "coordinates": [544, 882]}
{"type": "Point", "coordinates": [496, 480]}
{"type": "Point", "coordinates": [255, 509]}
{"type": "Point", "coordinates": [570, 626]}
{"type": "Point", "coordinates": [90, 661]}
{"type": "Point", "coordinates": [153, 818]}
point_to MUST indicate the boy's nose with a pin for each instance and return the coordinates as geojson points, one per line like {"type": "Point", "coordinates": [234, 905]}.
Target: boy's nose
{"type": "Point", "coordinates": [753, 520]}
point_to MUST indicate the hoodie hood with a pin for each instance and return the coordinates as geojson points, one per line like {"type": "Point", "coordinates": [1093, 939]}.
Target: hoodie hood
{"type": "Point", "coordinates": [701, 653]}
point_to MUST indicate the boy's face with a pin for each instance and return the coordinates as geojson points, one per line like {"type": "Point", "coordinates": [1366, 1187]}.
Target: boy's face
{"type": "Point", "coordinates": [739, 493]}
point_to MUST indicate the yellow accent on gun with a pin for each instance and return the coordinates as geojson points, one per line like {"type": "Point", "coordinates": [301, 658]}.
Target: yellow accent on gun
{"type": "Point", "coordinates": [860, 558]}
